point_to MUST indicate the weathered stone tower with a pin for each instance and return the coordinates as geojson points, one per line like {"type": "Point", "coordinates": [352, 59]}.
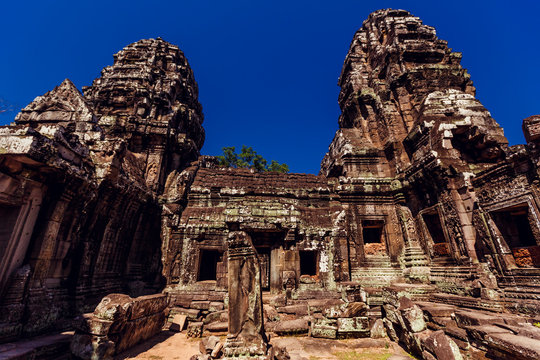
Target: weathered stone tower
{"type": "Point", "coordinates": [82, 176]}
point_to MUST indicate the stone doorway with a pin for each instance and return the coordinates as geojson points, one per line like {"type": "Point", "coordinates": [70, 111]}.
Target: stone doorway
{"type": "Point", "coordinates": [373, 237]}
{"type": "Point", "coordinates": [440, 248]}
{"type": "Point", "coordinates": [208, 264]}
{"type": "Point", "coordinates": [515, 224]}
{"type": "Point", "coordinates": [269, 244]}
{"type": "Point", "coordinates": [264, 260]}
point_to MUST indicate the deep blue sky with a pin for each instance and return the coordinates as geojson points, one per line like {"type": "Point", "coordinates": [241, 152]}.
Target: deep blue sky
{"type": "Point", "coordinates": [267, 72]}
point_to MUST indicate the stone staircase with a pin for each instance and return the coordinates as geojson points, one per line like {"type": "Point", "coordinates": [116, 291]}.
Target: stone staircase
{"type": "Point", "coordinates": [415, 256]}
{"type": "Point", "coordinates": [451, 274]}
{"type": "Point", "coordinates": [376, 271]}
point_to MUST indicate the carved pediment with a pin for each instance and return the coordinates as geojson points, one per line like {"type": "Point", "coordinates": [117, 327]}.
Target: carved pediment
{"type": "Point", "coordinates": [63, 104]}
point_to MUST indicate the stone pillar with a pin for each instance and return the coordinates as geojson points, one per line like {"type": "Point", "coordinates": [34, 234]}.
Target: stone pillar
{"type": "Point", "coordinates": [467, 228]}
{"type": "Point", "coordinates": [246, 338]}
{"type": "Point", "coordinates": [415, 260]}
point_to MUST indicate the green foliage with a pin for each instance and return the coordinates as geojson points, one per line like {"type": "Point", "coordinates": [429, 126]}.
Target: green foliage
{"type": "Point", "coordinates": [248, 158]}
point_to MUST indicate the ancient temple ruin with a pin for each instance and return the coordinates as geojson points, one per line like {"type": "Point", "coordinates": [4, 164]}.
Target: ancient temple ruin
{"type": "Point", "coordinates": [105, 191]}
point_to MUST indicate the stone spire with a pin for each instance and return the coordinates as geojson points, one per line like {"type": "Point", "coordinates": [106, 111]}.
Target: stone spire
{"type": "Point", "coordinates": [148, 99]}
{"type": "Point", "coordinates": [393, 64]}
{"type": "Point", "coordinates": [150, 95]}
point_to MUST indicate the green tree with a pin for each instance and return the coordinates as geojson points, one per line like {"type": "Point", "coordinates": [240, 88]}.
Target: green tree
{"type": "Point", "coordinates": [248, 158]}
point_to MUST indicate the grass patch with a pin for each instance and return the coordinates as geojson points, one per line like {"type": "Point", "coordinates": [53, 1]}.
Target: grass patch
{"type": "Point", "coordinates": [353, 355]}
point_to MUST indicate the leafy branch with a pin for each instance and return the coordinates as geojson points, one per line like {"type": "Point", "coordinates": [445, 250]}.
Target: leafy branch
{"type": "Point", "coordinates": [248, 158]}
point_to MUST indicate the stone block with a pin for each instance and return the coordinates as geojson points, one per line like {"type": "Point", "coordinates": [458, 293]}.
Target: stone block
{"type": "Point", "coordinates": [216, 352]}
{"type": "Point", "coordinates": [215, 316]}
{"type": "Point", "coordinates": [323, 331]}
{"type": "Point", "coordinates": [91, 347]}
{"type": "Point", "coordinates": [292, 327]}
{"type": "Point", "coordinates": [355, 327]}
{"type": "Point", "coordinates": [413, 318]}
{"type": "Point", "coordinates": [318, 305]}
{"type": "Point", "coordinates": [520, 347]}
{"type": "Point", "coordinates": [178, 323]}
{"type": "Point", "coordinates": [181, 300]}
{"type": "Point", "coordinates": [207, 345]}
{"type": "Point", "coordinates": [378, 329]}
{"type": "Point", "coordinates": [113, 307]}
{"type": "Point", "coordinates": [389, 326]}
{"type": "Point", "coordinates": [334, 311]}
{"type": "Point", "coordinates": [148, 305]}
{"type": "Point", "coordinates": [192, 314]}
{"type": "Point", "coordinates": [200, 305]}
{"type": "Point", "coordinates": [479, 332]}
{"type": "Point", "coordinates": [278, 300]}
{"type": "Point", "coordinates": [436, 310]}
{"type": "Point", "coordinates": [218, 326]}
{"type": "Point", "coordinates": [466, 318]}
{"type": "Point", "coordinates": [195, 329]}
{"type": "Point", "coordinates": [442, 346]}
{"type": "Point", "coordinates": [90, 324]}
{"type": "Point", "coordinates": [270, 313]}
{"type": "Point", "coordinates": [443, 321]}
{"type": "Point", "coordinates": [298, 310]}
{"type": "Point", "coordinates": [355, 309]}
{"type": "Point", "coordinates": [531, 128]}
{"type": "Point", "coordinates": [215, 306]}
{"type": "Point", "coordinates": [138, 330]}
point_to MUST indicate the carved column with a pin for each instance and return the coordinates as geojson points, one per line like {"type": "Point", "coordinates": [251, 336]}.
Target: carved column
{"type": "Point", "coordinates": [246, 338]}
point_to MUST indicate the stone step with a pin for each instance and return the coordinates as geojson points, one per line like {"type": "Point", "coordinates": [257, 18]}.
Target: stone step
{"type": "Point", "coordinates": [467, 301]}
{"type": "Point", "coordinates": [42, 347]}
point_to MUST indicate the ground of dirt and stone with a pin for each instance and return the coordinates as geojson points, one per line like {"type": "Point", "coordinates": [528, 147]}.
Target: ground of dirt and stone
{"type": "Point", "coordinates": [177, 346]}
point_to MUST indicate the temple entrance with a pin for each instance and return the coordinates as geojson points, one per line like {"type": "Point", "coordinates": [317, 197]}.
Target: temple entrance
{"type": "Point", "coordinates": [264, 259]}
{"type": "Point", "coordinates": [514, 224]}
{"type": "Point", "coordinates": [268, 244]}
{"type": "Point", "coordinates": [373, 237]}
{"type": "Point", "coordinates": [308, 263]}
{"type": "Point", "coordinates": [8, 216]}
{"type": "Point", "coordinates": [440, 246]}
{"type": "Point", "coordinates": [208, 265]}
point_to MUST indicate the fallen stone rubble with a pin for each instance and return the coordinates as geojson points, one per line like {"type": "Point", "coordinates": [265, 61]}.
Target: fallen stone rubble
{"type": "Point", "coordinates": [118, 323]}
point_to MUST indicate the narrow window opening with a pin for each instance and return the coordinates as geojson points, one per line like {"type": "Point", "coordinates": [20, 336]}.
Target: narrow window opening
{"type": "Point", "coordinates": [208, 265]}
{"type": "Point", "coordinates": [308, 263]}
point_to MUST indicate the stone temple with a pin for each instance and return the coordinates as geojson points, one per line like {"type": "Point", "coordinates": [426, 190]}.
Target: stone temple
{"type": "Point", "coordinates": [423, 225]}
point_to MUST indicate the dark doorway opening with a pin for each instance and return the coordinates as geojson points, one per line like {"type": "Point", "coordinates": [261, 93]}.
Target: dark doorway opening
{"type": "Point", "coordinates": [266, 242]}
{"type": "Point", "coordinates": [515, 226]}
{"type": "Point", "coordinates": [264, 261]}
{"type": "Point", "coordinates": [373, 237]}
{"type": "Point", "coordinates": [8, 216]}
{"type": "Point", "coordinates": [372, 231]}
{"type": "Point", "coordinates": [308, 263]}
{"type": "Point", "coordinates": [435, 229]}
{"type": "Point", "coordinates": [208, 265]}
